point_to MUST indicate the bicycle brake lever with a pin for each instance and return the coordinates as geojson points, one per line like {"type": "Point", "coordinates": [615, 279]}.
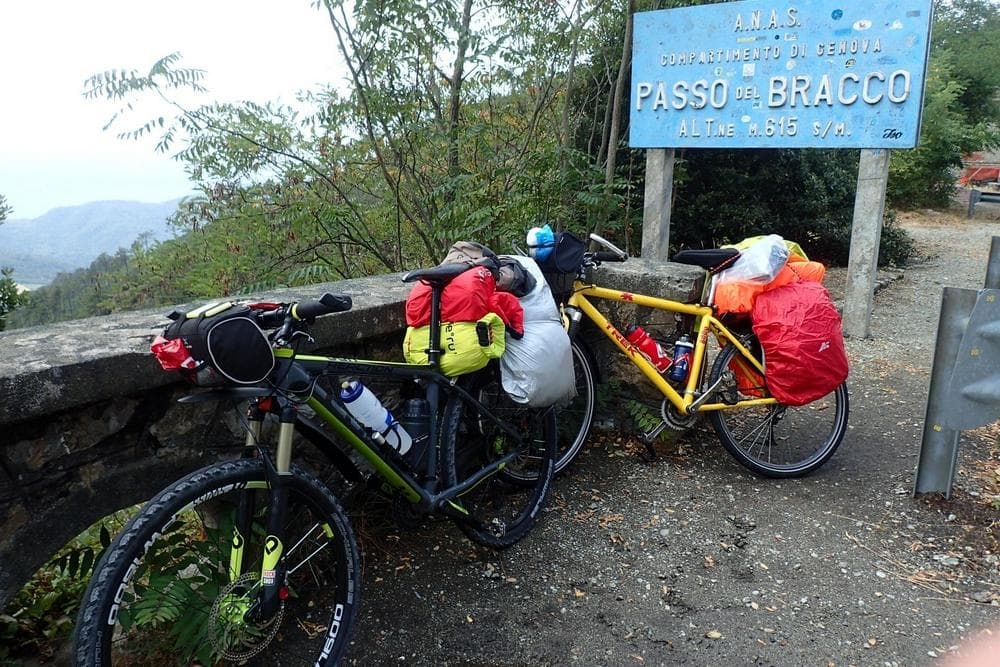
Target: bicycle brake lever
{"type": "Point", "coordinates": [609, 245]}
{"type": "Point", "coordinates": [298, 332]}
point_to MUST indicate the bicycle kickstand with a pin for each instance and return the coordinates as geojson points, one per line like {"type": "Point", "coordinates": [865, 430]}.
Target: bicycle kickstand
{"type": "Point", "coordinates": [648, 438]}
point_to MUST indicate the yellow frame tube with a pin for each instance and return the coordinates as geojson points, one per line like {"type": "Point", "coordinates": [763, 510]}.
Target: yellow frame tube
{"type": "Point", "coordinates": [706, 323]}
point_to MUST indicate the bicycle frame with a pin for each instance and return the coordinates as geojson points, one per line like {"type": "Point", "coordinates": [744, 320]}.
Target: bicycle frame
{"type": "Point", "coordinates": [301, 372]}
{"type": "Point", "coordinates": [690, 399]}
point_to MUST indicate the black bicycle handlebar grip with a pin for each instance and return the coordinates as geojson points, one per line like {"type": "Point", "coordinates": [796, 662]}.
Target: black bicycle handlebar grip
{"type": "Point", "coordinates": [328, 303]}
{"type": "Point", "coordinates": [607, 256]}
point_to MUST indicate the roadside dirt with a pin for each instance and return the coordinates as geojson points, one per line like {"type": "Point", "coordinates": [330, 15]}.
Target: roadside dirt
{"type": "Point", "coordinates": [691, 560]}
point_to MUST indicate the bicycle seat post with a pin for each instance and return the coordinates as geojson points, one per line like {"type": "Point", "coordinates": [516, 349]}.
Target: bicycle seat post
{"type": "Point", "coordinates": [437, 278]}
{"type": "Point", "coordinates": [434, 341]}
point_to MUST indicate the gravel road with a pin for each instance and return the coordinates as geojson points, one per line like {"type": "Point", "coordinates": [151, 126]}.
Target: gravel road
{"type": "Point", "coordinates": [691, 560]}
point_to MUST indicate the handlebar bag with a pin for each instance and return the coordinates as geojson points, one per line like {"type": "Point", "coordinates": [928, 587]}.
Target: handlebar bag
{"type": "Point", "coordinates": [223, 342]}
{"type": "Point", "coordinates": [559, 268]}
{"type": "Point", "coordinates": [567, 254]}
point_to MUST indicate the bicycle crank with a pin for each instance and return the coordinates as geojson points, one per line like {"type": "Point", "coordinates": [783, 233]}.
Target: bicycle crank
{"type": "Point", "coordinates": [673, 418]}
{"type": "Point", "coordinates": [670, 418]}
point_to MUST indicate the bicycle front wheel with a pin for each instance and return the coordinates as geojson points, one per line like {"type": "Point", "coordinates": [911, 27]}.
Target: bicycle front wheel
{"type": "Point", "coordinates": [505, 505]}
{"type": "Point", "coordinates": [776, 440]}
{"type": "Point", "coordinates": [178, 584]}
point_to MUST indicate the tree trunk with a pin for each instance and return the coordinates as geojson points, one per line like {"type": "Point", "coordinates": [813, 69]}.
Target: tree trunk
{"type": "Point", "coordinates": [616, 102]}
{"type": "Point", "coordinates": [455, 102]}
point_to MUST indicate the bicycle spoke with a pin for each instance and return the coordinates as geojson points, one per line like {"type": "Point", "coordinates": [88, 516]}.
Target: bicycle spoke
{"type": "Point", "coordinates": [181, 606]}
{"type": "Point", "coordinates": [807, 437]}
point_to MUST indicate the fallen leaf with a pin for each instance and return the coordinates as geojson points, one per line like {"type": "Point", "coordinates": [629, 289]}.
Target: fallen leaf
{"type": "Point", "coordinates": [713, 634]}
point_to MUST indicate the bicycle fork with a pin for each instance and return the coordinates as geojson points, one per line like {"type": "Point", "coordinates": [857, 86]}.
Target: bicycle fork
{"type": "Point", "coordinates": [272, 590]}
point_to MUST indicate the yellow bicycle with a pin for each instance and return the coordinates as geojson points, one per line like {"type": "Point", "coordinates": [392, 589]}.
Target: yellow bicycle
{"type": "Point", "coordinates": [726, 377]}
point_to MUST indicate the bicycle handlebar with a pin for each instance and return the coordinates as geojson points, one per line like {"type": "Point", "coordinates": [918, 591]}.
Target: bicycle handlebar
{"type": "Point", "coordinates": [285, 315]}
{"type": "Point", "coordinates": [328, 303]}
{"type": "Point", "coordinates": [605, 256]}
{"type": "Point", "coordinates": [612, 254]}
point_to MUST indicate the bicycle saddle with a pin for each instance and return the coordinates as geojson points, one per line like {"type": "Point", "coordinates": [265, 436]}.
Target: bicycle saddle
{"type": "Point", "coordinates": [711, 259]}
{"type": "Point", "coordinates": [441, 274]}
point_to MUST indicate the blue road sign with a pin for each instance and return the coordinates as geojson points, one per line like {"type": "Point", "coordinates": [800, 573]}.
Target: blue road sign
{"type": "Point", "coordinates": [752, 74]}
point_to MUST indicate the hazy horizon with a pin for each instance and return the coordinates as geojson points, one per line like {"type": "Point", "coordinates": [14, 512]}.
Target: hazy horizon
{"type": "Point", "coordinates": [55, 152]}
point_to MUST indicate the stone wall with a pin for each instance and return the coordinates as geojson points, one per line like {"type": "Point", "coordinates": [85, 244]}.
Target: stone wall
{"type": "Point", "coordinates": [89, 424]}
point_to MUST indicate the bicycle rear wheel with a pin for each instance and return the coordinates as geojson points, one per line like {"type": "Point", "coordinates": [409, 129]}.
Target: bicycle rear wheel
{"type": "Point", "coordinates": [507, 503]}
{"type": "Point", "coordinates": [573, 420]}
{"type": "Point", "coordinates": [776, 440]}
{"type": "Point", "coordinates": [168, 591]}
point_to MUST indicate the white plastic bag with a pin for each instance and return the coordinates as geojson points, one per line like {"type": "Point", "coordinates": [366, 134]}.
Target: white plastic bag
{"type": "Point", "coordinates": [537, 369]}
{"type": "Point", "coordinates": [759, 263]}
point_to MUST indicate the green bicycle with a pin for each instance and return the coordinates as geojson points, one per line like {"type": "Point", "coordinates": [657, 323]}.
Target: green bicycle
{"type": "Point", "coordinates": [254, 560]}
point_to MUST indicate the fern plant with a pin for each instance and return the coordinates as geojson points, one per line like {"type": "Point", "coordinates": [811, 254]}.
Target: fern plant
{"type": "Point", "coordinates": [646, 418]}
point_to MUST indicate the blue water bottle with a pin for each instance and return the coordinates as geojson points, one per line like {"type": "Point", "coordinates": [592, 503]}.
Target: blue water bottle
{"type": "Point", "coordinates": [682, 359]}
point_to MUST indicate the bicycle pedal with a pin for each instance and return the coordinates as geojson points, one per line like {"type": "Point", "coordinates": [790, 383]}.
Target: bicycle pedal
{"type": "Point", "coordinates": [650, 436]}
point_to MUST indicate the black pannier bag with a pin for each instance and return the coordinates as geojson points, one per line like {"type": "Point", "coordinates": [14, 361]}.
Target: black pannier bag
{"type": "Point", "coordinates": [560, 265]}
{"type": "Point", "coordinates": [223, 344]}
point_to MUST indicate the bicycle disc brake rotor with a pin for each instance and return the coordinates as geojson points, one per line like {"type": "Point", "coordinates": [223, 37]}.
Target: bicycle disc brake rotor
{"type": "Point", "coordinates": [233, 636]}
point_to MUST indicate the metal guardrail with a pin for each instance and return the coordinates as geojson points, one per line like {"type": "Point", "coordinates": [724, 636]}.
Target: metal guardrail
{"type": "Point", "coordinates": [964, 389]}
{"type": "Point", "coordinates": [976, 196]}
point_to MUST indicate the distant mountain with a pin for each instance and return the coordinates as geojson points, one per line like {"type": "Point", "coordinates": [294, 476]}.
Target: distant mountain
{"type": "Point", "coordinates": [72, 237]}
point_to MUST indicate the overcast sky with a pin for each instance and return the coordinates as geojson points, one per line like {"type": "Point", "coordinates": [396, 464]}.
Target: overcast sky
{"type": "Point", "coordinates": [52, 149]}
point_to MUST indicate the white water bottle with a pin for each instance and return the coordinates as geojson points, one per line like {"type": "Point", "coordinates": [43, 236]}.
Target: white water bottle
{"type": "Point", "coordinates": [368, 410]}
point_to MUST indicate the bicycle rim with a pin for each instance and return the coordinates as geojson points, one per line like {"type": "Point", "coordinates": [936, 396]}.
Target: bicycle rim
{"type": "Point", "coordinates": [509, 502]}
{"type": "Point", "coordinates": [573, 420]}
{"type": "Point", "coordinates": [777, 440]}
{"type": "Point", "coordinates": [169, 591]}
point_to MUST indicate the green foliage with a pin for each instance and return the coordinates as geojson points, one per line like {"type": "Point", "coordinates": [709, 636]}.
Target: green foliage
{"type": "Point", "coordinates": [807, 197]}
{"type": "Point", "coordinates": [11, 297]}
{"type": "Point", "coordinates": [451, 129]}
{"type": "Point", "coordinates": [77, 294]}
{"type": "Point", "coordinates": [968, 32]}
{"type": "Point", "coordinates": [39, 618]}
{"type": "Point", "coordinates": [646, 419]}
{"type": "Point", "coordinates": [960, 108]}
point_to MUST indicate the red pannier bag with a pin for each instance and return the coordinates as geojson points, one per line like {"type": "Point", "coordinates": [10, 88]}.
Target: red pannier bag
{"type": "Point", "coordinates": [799, 328]}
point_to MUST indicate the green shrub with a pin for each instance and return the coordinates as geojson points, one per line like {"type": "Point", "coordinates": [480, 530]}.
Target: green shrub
{"type": "Point", "coordinates": [40, 616]}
